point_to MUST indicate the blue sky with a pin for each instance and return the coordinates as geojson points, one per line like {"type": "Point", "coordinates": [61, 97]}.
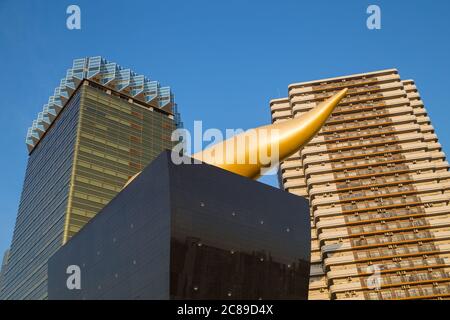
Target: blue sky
{"type": "Point", "coordinates": [223, 59]}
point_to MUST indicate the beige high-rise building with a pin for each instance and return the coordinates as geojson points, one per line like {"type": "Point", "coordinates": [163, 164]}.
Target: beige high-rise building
{"type": "Point", "coordinates": [379, 190]}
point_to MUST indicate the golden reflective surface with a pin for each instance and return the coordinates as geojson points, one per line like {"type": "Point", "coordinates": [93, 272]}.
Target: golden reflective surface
{"type": "Point", "coordinates": [287, 137]}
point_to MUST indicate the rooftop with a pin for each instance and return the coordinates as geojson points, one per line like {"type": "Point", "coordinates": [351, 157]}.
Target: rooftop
{"type": "Point", "coordinates": [105, 73]}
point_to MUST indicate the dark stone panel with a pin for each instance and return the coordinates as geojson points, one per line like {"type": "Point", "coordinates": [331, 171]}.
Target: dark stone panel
{"type": "Point", "coordinates": [190, 232]}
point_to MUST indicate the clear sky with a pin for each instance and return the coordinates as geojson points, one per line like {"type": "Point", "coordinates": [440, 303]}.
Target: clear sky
{"type": "Point", "coordinates": [223, 59]}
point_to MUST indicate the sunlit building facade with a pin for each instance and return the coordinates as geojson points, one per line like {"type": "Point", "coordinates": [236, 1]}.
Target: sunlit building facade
{"type": "Point", "coordinates": [103, 125]}
{"type": "Point", "coordinates": [379, 190]}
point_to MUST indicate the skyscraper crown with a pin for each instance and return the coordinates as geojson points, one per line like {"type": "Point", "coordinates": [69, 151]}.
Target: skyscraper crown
{"type": "Point", "coordinates": [108, 74]}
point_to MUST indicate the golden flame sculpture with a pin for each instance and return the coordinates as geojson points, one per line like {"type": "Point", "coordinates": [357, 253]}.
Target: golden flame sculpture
{"type": "Point", "coordinates": [291, 136]}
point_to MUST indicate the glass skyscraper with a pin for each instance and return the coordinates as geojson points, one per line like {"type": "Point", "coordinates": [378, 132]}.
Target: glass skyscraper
{"type": "Point", "coordinates": [3, 266]}
{"type": "Point", "coordinates": [103, 125]}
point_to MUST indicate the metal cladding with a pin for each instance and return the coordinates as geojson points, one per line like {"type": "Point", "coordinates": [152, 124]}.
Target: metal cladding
{"type": "Point", "coordinates": [291, 136]}
{"type": "Point", "coordinates": [190, 232]}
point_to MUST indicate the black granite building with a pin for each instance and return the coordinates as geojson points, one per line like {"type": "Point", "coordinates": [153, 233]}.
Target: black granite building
{"type": "Point", "coordinates": [190, 232]}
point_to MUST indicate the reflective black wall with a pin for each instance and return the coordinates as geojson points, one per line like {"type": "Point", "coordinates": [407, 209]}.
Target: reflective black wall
{"type": "Point", "coordinates": [190, 232]}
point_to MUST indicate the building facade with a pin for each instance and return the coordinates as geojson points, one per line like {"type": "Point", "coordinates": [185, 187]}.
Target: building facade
{"type": "Point", "coordinates": [102, 126]}
{"type": "Point", "coordinates": [3, 268]}
{"type": "Point", "coordinates": [170, 235]}
{"type": "Point", "coordinates": [379, 190]}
